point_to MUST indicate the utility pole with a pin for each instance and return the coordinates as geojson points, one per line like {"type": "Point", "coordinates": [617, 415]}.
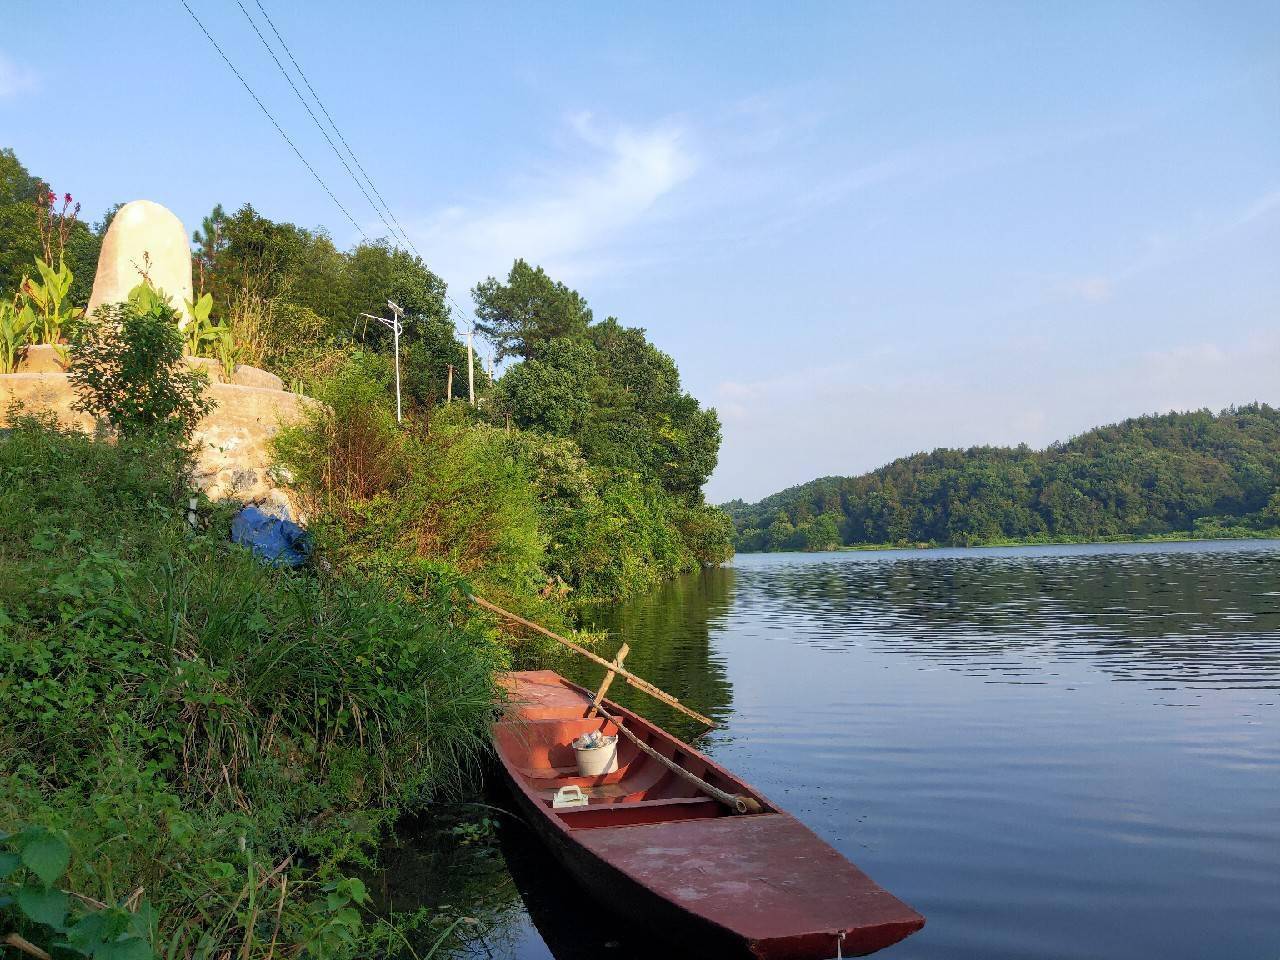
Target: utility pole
{"type": "Point", "coordinates": [471, 368]}
{"type": "Point", "coordinates": [395, 331]}
{"type": "Point", "coordinates": [448, 389]}
{"type": "Point", "coordinates": [395, 327]}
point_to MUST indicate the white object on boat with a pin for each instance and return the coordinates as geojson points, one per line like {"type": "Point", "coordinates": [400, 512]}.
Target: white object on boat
{"type": "Point", "coordinates": [597, 754]}
{"type": "Point", "coordinates": [570, 796]}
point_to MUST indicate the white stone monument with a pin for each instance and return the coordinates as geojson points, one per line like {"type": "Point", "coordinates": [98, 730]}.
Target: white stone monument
{"type": "Point", "coordinates": [144, 236]}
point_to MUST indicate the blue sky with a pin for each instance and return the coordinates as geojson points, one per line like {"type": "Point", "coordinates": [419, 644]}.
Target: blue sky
{"type": "Point", "coordinates": [862, 230]}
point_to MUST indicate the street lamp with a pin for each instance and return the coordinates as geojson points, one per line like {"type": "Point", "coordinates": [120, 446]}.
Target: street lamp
{"type": "Point", "coordinates": [395, 326]}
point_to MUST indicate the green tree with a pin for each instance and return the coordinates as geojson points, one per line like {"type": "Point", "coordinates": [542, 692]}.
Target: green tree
{"type": "Point", "coordinates": [1176, 473]}
{"type": "Point", "coordinates": [210, 241]}
{"type": "Point", "coordinates": [620, 399]}
{"type": "Point", "coordinates": [554, 393]}
{"type": "Point", "coordinates": [525, 314]}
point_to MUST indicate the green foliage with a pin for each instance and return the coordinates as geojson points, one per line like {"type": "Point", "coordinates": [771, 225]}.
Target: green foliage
{"type": "Point", "coordinates": [529, 312]}
{"type": "Point", "coordinates": [520, 513]}
{"type": "Point", "coordinates": [619, 450]}
{"type": "Point", "coordinates": [614, 536]}
{"type": "Point", "coordinates": [281, 261]}
{"type": "Point", "coordinates": [619, 399]}
{"type": "Point", "coordinates": [1177, 474]}
{"type": "Point", "coordinates": [200, 329]}
{"type": "Point", "coordinates": [210, 241]}
{"type": "Point", "coordinates": [300, 346]}
{"type": "Point", "coordinates": [200, 748]}
{"type": "Point", "coordinates": [227, 349]}
{"type": "Point", "coordinates": [306, 298]}
{"type": "Point", "coordinates": [126, 367]}
{"type": "Point", "coordinates": [49, 300]}
{"type": "Point", "coordinates": [32, 862]}
{"type": "Point", "coordinates": [451, 491]}
{"type": "Point", "coordinates": [17, 326]}
{"type": "Point", "coordinates": [606, 537]}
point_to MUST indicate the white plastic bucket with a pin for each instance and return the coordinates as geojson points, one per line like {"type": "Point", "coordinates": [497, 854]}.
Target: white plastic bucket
{"type": "Point", "coordinates": [595, 761]}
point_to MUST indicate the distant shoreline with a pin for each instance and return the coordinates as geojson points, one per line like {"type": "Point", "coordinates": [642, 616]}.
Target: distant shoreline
{"type": "Point", "coordinates": [1272, 534]}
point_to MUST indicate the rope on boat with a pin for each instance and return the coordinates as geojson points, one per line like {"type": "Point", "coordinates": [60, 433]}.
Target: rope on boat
{"type": "Point", "coordinates": [735, 802]}
{"type": "Point", "coordinates": [638, 682]}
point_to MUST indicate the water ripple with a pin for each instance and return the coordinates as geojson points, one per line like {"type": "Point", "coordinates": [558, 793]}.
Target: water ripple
{"type": "Point", "coordinates": [1188, 618]}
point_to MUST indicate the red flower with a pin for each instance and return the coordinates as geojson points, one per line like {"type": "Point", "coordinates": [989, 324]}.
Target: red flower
{"type": "Point", "coordinates": [53, 197]}
{"type": "Point", "coordinates": [66, 198]}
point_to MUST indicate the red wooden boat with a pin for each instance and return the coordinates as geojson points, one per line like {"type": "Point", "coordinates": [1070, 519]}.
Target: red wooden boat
{"type": "Point", "coordinates": [654, 847]}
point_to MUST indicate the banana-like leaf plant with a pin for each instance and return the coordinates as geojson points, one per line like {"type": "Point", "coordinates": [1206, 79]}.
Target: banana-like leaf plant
{"type": "Point", "coordinates": [48, 298]}
{"type": "Point", "coordinates": [17, 323]}
{"type": "Point", "coordinates": [228, 349]}
{"type": "Point", "coordinates": [200, 329]}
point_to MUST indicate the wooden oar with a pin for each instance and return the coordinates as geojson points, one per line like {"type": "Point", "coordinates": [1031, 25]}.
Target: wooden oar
{"type": "Point", "coordinates": [638, 682]}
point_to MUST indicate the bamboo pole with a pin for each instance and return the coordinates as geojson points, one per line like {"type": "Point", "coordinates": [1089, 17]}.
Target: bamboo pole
{"type": "Point", "coordinates": [638, 682]}
{"type": "Point", "coordinates": [608, 680]}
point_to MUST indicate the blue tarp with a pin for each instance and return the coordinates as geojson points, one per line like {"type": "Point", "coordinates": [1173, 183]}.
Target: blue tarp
{"type": "Point", "coordinates": [281, 543]}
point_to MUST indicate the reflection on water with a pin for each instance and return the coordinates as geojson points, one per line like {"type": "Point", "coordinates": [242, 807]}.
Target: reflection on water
{"type": "Point", "coordinates": [1182, 614]}
{"type": "Point", "coordinates": [670, 632]}
{"type": "Point", "coordinates": [1051, 752]}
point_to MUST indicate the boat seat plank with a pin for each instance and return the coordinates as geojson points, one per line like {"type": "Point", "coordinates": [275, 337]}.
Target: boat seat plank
{"type": "Point", "coordinates": [633, 812]}
{"type": "Point", "coordinates": [604, 791]}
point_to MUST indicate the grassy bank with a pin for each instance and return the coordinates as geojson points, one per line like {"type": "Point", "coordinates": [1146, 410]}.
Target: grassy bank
{"type": "Point", "coordinates": [198, 753]}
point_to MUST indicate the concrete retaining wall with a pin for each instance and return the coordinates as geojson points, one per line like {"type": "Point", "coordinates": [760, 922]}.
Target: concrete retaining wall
{"type": "Point", "coordinates": [234, 457]}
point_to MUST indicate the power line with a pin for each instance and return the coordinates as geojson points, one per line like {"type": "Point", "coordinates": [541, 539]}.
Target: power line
{"type": "Point", "coordinates": [323, 109]}
{"type": "Point", "coordinates": [274, 122]}
{"type": "Point", "coordinates": [314, 119]}
{"type": "Point", "coordinates": [333, 124]}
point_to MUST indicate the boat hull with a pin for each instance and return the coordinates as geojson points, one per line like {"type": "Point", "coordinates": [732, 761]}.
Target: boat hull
{"type": "Point", "coordinates": [761, 885]}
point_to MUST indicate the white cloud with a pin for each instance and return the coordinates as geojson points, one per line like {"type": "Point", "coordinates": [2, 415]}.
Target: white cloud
{"type": "Point", "coordinates": [564, 221]}
{"type": "Point", "coordinates": [14, 79]}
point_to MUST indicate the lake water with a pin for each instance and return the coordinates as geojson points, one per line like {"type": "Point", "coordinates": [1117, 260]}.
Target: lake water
{"type": "Point", "coordinates": [1056, 752]}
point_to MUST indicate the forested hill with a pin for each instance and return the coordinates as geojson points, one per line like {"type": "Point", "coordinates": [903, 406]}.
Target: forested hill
{"type": "Point", "coordinates": [1199, 473]}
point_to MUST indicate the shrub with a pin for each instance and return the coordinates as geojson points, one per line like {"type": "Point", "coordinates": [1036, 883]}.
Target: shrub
{"type": "Point", "coordinates": [444, 489]}
{"type": "Point", "coordinates": [127, 367]}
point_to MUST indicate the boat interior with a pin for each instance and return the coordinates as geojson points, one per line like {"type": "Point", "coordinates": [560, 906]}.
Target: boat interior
{"type": "Point", "coordinates": [546, 714]}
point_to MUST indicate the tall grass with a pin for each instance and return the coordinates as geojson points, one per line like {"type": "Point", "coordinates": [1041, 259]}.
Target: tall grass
{"type": "Point", "coordinates": [230, 738]}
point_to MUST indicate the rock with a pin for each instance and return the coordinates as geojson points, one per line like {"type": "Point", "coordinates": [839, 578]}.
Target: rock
{"type": "Point", "coordinates": [142, 232]}
{"type": "Point", "coordinates": [244, 479]}
{"type": "Point", "coordinates": [41, 358]}
{"type": "Point", "coordinates": [245, 375]}
{"type": "Point", "coordinates": [278, 504]}
{"type": "Point", "coordinates": [248, 376]}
